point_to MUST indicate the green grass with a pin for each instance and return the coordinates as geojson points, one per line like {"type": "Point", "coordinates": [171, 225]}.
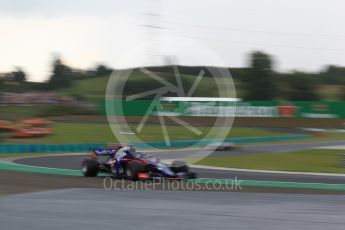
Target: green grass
{"type": "Point", "coordinates": [22, 112]}
{"type": "Point", "coordinates": [152, 133]}
{"type": "Point", "coordinates": [326, 137]}
{"type": "Point", "coordinates": [66, 133]}
{"type": "Point", "coordinates": [11, 112]}
{"type": "Point", "coordinates": [100, 132]}
{"type": "Point", "coordinates": [313, 160]}
{"type": "Point", "coordinates": [4, 155]}
{"type": "Point", "coordinates": [90, 89]}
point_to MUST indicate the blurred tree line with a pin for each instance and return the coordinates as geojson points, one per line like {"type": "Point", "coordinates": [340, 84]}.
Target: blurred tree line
{"type": "Point", "coordinates": [62, 76]}
{"type": "Point", "coordinates": [258, 81]}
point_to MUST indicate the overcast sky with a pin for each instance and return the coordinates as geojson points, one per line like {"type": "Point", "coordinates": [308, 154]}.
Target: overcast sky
{"type": "Point", "coordinates": [301, 34]}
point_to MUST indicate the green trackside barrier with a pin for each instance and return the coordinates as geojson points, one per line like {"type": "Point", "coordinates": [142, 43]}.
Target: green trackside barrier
{"type": "Point", "coordinates": [301, 109]}
{"type": "Point", "coordinates": [68, 148]}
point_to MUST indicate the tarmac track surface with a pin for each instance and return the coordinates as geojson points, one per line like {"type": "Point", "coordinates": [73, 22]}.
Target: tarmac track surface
{"type": "Point", "coordinates": [74, 161]}
{"type": "Point", "coordinates": [100, 209]}
{"type": "Point", "coordinates": [12, 182]}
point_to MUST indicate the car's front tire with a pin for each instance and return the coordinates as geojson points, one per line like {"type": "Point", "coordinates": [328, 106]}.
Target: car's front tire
{"type": "Point", "coordinates": [179, 167]}
{"type": "Point", "coordinates": [90, 168]}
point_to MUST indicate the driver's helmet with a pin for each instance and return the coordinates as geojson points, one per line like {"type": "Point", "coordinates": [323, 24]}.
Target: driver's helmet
{"type": "Point", "coordinates": [127, 150]}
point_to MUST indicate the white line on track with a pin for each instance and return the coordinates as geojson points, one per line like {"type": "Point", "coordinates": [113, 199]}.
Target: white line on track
{"type": "Point", "coordinates": [267, 171]}
{"type": "Point", "coordinates": [336, 147]}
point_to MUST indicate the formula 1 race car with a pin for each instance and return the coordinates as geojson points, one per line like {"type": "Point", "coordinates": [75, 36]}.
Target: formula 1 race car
{"type": "Point", "coordinates": [133, 166]}
{"type": "Point", "coordinates": [222, 146]}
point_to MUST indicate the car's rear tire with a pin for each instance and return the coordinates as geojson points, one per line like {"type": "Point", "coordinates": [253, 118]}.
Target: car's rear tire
{"type": "Point", "coordinates": [179, 167]}
{"type": "Point", "coordinates": [133, 169]}
{"type": "Point", "coordinates": [90, 167]}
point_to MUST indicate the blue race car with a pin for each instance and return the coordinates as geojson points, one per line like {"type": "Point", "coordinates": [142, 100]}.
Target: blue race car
{"type": "Point", "coordinates": [133, 165]}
